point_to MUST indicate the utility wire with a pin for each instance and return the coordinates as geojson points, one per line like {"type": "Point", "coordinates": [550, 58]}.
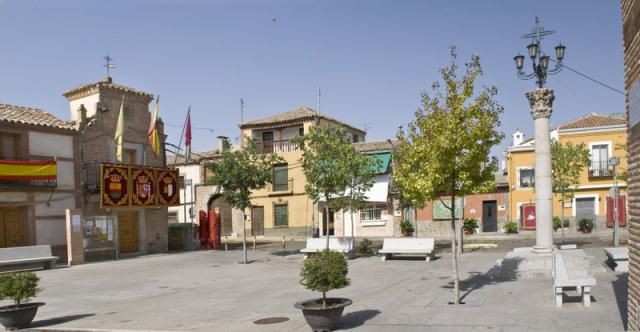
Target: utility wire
{"type": "Point", "coordinates": [192, 127]}
{"type": "Point", "coordinates": [590, 78]}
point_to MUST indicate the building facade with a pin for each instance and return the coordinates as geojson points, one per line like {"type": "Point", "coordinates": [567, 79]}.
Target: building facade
{"type": "Point", "coordinates": [283, 208]}
{"type": "Point", "coordinates": [605, 137]}
{"type": "Point", "coordinates": [39, 177]}
{"type": "Point", "coordinates": [631, 42]}
{"type": "Point", "coordinates": [122, 231]}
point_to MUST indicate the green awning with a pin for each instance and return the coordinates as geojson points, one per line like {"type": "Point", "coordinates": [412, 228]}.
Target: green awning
{"type": "Point", "coordinates": [385, 159]}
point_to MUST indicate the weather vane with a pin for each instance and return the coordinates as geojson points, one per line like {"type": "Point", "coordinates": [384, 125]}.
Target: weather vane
{"type": "Point", "coordinates": [109, 65]}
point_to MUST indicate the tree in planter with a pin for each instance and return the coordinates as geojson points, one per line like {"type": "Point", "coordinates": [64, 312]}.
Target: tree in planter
{"type": "Point", "coordinates": [19, 287]}
{"type": "Point", "coordinates": [332, 166]}
{"type": "Point", "coordinates": [567, 162]}
{"type": "Point", "coordinates": [446, 148]}
{"type": "Point", "coordinates": [237, 173]}
{"type": "Point", "coordinates": [325, 271]}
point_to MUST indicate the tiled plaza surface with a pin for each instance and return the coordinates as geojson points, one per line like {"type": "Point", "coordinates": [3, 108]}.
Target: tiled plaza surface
{"type": "Point", "coordinates": [210, 291]}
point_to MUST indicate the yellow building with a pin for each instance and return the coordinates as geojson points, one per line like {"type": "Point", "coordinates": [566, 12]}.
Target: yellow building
{"type": "Point", "coordinates": [605, 137]}
{"type": "Point", "coordinates": [283, 207]}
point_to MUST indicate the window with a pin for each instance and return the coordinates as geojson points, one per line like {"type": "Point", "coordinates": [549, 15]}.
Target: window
{"type": "Point", "coordinates": [526, 178]}
{"type": "Point", "coordinates": [8, 146]}
{"type": "Point", "coordinates": [281, 215]}
{"type": "Point", "coordinates": [301, 131]}
{"type": "Point", "coordinates": [129, 156]}
{"type": "Point", "coordinates": [281, 177]}
{"type": "Point", "coordinates": [600, 157]}
{"type": "Point", "coordinates": [373, 212]}
{"type": "Point", "coordinates": [355, 138]}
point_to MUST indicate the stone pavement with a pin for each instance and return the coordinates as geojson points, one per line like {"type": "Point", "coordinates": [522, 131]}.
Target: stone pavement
{"type": "Point", "coordinates": [210, 291]}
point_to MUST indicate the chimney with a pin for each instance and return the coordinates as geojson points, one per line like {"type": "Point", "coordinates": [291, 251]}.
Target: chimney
{"type": "Point", "coordinates": [518, 137]}
{"type": "Point", "coordinates": [221, 142]}
{"type": "Point", "coordinates": [83, 114]}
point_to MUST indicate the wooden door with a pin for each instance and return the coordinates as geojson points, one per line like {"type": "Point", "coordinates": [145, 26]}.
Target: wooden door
{"type": "Point", "coordinates": [128, 231]}
{"type": "Point", "coordinates": [13, 227]}
{"type": "Point", "coordinates": [489, 216]}
{"type": "Point", "coordinates": [257, 220]}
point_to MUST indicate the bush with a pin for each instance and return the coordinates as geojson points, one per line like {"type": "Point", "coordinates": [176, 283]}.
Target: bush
{"type": "Point", "coordinates": [325, 271]}
{"type": "Point", "coordinates": [406, 227]}
{"type": "Point", "coordinates": [19, 287]}
{"type": "Point", "coordinates": [556, 223]}
{"type": "Point", "coordinates": [470, 224]}
{"type": "Point", "coordinates": [510, 227]}
{"type": "Point", "coordinates": [585, 224]}
{"type": "Point", "coordinates": [365, 247]}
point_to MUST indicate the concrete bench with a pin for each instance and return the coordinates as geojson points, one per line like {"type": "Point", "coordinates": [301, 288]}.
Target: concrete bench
{"type": "Point", "coordinates": [619, 257]}
{"type": "Point", "coordinates": [409, 246]}
{"type": "Point", "coordinates": [315, 245]}
{"type": "Point", "coordinates": [28, 255]}
{"type": "Point", "coordinates": [564, 278]}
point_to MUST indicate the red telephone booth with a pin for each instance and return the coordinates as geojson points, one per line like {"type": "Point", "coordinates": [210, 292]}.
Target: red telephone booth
{"type": "Point", "coordinates": [528, 216]}
{"type": "Point", "coordinates": [203, 229]}
{"type": "Point", "coordinates": [214, 230]}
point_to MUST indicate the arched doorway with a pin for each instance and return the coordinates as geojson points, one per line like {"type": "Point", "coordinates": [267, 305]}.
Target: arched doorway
{"type": "Point", "coordinates": [224, 211]}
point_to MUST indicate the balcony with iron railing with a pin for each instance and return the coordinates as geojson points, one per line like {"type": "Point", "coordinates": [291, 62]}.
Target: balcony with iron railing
{"type": "Point", "coordinates": [280, 146]}
{"type": "Point", "coordinates": [600, 168]}
{"type": "Point", "coordinates": [284, 188]}
{"type": "Point", "coordinates": [28, 173]}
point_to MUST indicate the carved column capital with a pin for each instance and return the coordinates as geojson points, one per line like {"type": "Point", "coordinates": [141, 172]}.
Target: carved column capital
{"type": "Point", "coordinates": [541, 102]}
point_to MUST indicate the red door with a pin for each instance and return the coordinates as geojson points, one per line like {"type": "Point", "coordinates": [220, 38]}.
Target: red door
{"type": "Point", "coordinates": [622, 211]}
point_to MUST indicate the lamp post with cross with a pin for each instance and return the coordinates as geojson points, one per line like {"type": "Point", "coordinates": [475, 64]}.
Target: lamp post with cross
{"type": "Point", "coordinates": [541, 103]}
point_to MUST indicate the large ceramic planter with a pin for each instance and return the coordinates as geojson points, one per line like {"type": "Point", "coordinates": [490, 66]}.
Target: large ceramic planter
{"type": "Point", "coordinates": [323, 319]}
{"type": "Point", "coordinates": [407, 234]}
{"type": "Point", "coordinates": [14, 317]}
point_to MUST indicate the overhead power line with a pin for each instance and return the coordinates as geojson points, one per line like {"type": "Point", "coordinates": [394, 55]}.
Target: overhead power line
{"type": "Point", "coordinates": [591, 78]}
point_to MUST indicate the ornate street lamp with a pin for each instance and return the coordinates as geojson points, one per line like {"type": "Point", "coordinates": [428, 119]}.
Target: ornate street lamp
{"type": "Point", "coordinates": [541, 102]}
{"type": "Point", "coordinates": [541, 66]}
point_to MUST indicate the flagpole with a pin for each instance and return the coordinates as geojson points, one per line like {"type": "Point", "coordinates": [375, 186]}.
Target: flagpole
{"type": "Point", "coordinates": [181, 136]}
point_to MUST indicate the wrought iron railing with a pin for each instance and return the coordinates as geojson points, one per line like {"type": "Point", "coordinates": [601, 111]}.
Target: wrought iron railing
{"type": "Point", "coordinates": [91, 176]}
{"type": "Point", "coordinates": [280, 187]}
{"type": "Point", "coordinates": [28, 173]}
{"type": "Point", "coordinates": [276, 146]}
{"type": "Point", "coordinates": [600, 168]}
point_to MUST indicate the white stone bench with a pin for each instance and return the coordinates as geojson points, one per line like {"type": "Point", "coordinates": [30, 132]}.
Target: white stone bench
{"type": "Point", "coordinates": [315, 245]}
{"type": "Point", "coordinates": [619, 257]}
{"type": "Point", "coordinates": [409, 246]}
{"type": "Point", "coordinates": [27, 255]}
{"type": "Point", "coordinates": [563, 278]}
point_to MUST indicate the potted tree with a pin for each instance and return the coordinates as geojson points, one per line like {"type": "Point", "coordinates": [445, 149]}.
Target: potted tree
{"type": "Point", "coordinates": [585, 225]}
{"type": "Point", "coordinates": [323, 272]}
{"type": "Point", "coordinates": [406, 228]}
{"type": "Point", "coordinates": [469, 225]}
{"type": "Point", "coordinates": [19, 287]}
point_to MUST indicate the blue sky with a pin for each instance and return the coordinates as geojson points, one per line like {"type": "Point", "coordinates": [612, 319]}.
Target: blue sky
{"type": "Point", "coordinates": [371, 58]}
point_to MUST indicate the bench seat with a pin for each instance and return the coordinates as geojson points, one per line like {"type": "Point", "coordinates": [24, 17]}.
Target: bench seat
{"type": "Point", "coordinates": [28, 255]}
{"type": "Point", "coordinates": [564, 278]}
{"type": "Point", "coordinates": [619, 257]}
{"type": "Point", "coordinates": [315, 245]}
{"type": "Point", "coordinates": [408, 246]}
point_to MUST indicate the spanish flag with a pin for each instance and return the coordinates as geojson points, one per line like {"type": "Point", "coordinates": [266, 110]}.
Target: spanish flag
{"type": "Point", "coordinates": [120, 132]}
{"type": "Point", "coordinates": [154, 139]}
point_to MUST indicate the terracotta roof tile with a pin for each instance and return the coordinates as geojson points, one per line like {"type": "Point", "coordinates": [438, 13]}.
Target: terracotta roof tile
{"type": "Point", "coordinates": [107, 83]}
{"type": "Point", "coordinates": [375, 146]}
{"type": "Point", "coordinates": [300, 114]}
{"type": "Point", "coordinates": [594, 120]}
{"type": "Point", "coordinates": [32, 116]}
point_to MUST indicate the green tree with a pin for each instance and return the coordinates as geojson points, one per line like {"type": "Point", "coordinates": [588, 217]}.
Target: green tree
{"type": "Point", "coordinates": [567, 162]}
{"type": "Point", "coordinates": [239, 172]}
{"type": "Point", "coordinates": [445, 150]}
{"type": "Point", "coordinates": [331, 166]}
{"type": "Point", "coordinates": [363, 171]}
{"type": "Point", "coordinates": [325, 271]}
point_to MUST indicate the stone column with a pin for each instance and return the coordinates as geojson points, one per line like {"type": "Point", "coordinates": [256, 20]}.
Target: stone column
{"type": "Point", "coordinates": [541, 102]}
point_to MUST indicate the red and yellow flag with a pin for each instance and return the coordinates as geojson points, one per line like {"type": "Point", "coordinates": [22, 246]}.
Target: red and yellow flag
{"type": "Point", "coordinates": [154, 139]}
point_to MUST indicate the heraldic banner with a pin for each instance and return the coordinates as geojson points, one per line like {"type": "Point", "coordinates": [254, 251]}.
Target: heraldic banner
{"type": "Point", "coordinates": [168, 191]}
{"type": "Point", "coordinates": [143, 190]}
{"type": "Point", "coordinates": [114, 191]}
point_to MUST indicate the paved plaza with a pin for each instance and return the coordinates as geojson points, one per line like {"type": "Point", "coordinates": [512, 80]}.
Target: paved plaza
{"type": "Point", "coordinates": [210, 291]}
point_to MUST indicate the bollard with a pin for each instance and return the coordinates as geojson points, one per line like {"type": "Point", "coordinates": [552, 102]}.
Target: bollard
{"type": "Point", "coordinates": [225, 243]}
{"type": "Point", "coordinates": [254, 243]}
{"type": "Point", "coordinates": [284, 246]}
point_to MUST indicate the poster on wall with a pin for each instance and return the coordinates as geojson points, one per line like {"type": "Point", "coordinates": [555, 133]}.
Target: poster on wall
{"type": "Point", "coordinates": [114, 186]}
{"type": "Point", "coordinates": [168, 191]}
{"type": "Point", "coordinates": [143, 192]}
{"type": "Point", "coordinates": [443, 212]}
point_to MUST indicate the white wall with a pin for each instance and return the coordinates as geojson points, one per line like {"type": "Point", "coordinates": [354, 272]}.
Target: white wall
{"type": "Point", "coordinates": [66, 175]}
{"type": "Point", "coordinates": [191, 172]}
{"type": "Point", "coordinates": [58, 203]}
{"type": "Point", "coordinates": [51, 231]}
{"type": "Point", "coordinates": [90, 104]}
{"type": "Point", "coordinates": [52, 145]}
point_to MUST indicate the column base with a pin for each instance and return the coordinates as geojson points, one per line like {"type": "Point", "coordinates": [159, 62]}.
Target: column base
{"type": "Point", "coordinates": [543, 250]}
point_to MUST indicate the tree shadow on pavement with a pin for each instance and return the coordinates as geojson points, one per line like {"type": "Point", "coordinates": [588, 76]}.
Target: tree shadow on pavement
{"type": "Point", "coordinates": [620, 289]}
{"type": "Point", "coordinates": [356, 318]}
{"type": "Point", "coordinates": [504, 272]}
{"type": "Point", "coordinates": [59, 320]}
